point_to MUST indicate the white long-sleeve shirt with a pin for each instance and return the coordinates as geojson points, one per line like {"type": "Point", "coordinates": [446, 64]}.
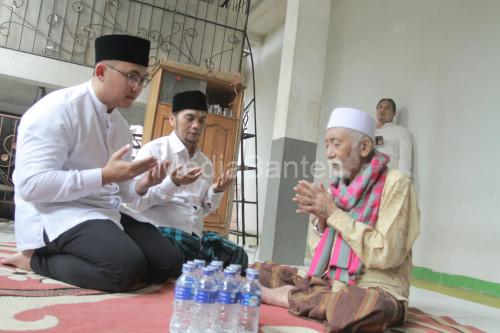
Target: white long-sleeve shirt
{"type": "Point", "coordinates": [397, 144]}
{"type": "Point", "coordinates": [182, 207]}
{"type": "Point", "coordinates": [63, 142]}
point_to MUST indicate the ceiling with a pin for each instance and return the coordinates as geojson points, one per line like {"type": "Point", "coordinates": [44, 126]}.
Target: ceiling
{"type": "Point", "coordinates": [265, 16]}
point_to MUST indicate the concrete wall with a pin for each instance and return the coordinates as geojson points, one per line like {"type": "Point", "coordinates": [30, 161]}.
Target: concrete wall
{"type": "Point", "coordinates": [22, 72]}
{"type": "Point", "coordinates": [440, 61]}
{"type": "Point", "coordinates": [267, 76]}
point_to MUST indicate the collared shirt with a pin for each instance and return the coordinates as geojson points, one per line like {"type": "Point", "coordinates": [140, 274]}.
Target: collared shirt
{"type": "Point", "coordinates": [396, 142]}
{"type": "Point", "coordinates": [181, 207]}
{"type": "Point", "coordinates": [63, 142]}
{"type": "Point", "coordinates": [385, 250]}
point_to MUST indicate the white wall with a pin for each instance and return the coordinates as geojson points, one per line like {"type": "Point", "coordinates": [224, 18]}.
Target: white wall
{"type": "Point", "coordinates": [22, 70]}
{"type": "Point", "coordinates": [440, 61]}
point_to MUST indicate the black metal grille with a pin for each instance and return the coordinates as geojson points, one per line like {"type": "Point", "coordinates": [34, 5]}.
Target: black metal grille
{"type": "Point", "coordinates": [8, 131]}
{"type": "Point", "coordinates": [204, 33]}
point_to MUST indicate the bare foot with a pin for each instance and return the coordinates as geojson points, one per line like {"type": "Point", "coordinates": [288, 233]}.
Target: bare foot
{"type": "Point", "coordinates": [277, 296]}
{"type": "Point", "coordinates": [20, 260]}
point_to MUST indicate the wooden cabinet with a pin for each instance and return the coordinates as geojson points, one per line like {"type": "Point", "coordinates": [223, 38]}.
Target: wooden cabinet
{"type": "Point", "coordinates": [221, 136]}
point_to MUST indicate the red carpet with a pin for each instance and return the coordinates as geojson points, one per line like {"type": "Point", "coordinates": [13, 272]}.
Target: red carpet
{"type": "Point", "coordinates": [31, 303]}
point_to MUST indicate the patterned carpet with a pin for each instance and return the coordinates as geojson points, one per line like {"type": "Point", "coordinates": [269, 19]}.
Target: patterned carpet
{"type": "Point", "coordinates": [31, 303]}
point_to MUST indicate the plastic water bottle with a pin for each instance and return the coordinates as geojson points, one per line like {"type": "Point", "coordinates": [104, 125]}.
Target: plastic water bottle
{"type": "Point", "coordinates": [237, 278]}
{"type": "Point", "coordinates": [200, 263]}
{"type": "Point", "coordinates": [218, 263]}
{"type": "Point", "coordinates": [228, 307]}
{"type": "Point", "coordinates": [183, 300]}
{"type": "Point", "coordinates": [204, 309]}
{"type": "Point", "coordinates": [218, 267]}
{"type": "Point", "coordinates": [237, 268]}
{"type": "Point", "coordinates": [250, 293]}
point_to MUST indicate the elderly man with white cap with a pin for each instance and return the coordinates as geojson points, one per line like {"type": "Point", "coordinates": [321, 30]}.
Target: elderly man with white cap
{"type": "Point", "coordinates": [367, 219]}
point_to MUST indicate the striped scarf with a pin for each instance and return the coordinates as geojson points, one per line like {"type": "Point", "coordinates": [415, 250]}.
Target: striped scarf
{"type": "Point", "coordinates": [361, 200]}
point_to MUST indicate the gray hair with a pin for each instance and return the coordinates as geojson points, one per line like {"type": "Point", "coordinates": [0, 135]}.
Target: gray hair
{"type": "Point", "coordinates": [357, 137]}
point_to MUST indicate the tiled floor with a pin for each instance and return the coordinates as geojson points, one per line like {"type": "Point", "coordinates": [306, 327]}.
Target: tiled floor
{"type": "Point", "coordinates": [481, 316]}
{"type": "Point", "coordinates": [468, 313]}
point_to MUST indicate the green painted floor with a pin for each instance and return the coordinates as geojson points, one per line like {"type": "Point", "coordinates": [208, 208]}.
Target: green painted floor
{"type": "Point", "coordinates": [457, 292]}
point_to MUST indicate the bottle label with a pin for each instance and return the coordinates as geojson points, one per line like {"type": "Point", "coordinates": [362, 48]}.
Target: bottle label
{"type": "Point", "coordinates": [205, 297]}
{"type": "Point", "coordinates": [184, 293]}
{"type": "Point", "coordinates": [226, 297]}
{"type": "Point", "coordinates": [251, 300]}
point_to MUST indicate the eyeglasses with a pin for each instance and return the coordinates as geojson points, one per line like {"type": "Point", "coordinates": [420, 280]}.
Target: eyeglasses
{"type": "Point", "coordinates": [133, 79]}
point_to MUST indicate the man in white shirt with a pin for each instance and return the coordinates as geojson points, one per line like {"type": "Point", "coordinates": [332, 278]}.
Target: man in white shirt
{"type": "Point", "coordinates": [73, 168]}
{"type": "Point", "coordinates": [391, 139]}
{"type": "Point", "coordinates": [180, 202]}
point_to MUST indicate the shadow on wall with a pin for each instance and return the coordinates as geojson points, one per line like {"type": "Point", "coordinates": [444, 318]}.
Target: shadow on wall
{"type": "Point", "coordinates": [402, 117]}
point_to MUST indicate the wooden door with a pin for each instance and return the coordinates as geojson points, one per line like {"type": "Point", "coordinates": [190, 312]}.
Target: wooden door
{"type": "Point", "coordinates": [162, 125]}
{"type": "Point", "coordinates": [218, 143]}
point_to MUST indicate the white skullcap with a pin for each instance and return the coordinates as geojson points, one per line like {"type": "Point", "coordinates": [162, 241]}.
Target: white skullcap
{"type": "Point", "coordinates": [354, 119]}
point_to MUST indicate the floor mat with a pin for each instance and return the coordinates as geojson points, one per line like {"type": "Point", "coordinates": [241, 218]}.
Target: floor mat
{"type": "Point", "coordinates": [32, 303]}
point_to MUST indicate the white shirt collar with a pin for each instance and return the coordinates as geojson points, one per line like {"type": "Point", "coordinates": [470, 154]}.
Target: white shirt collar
{"type": "Point", "coordinates": [178, 146]}
{"type": "Point", "coordinates": [99, 106]}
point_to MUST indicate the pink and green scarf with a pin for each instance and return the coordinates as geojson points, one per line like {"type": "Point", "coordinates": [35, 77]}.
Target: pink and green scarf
{"type": "Point", "coordinates": [361, 200]}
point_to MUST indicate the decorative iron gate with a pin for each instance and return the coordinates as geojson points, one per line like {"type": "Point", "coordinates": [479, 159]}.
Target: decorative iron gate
{"type": "Point", "coordinates": [206, 33]}
{"type": "Point", "coordinates": [8, 131]}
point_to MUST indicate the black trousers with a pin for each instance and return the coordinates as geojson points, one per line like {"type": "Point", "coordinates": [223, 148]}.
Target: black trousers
{"type": "Point", "coordinates": [97, 254]}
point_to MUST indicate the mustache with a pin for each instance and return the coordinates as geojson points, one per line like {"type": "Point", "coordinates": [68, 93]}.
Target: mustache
{"type": "Point", "coordinates": [335, 162]}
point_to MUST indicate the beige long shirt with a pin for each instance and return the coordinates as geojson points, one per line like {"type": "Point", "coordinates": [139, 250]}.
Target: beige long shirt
{"type": "Point", "coordinates": [386, 249]}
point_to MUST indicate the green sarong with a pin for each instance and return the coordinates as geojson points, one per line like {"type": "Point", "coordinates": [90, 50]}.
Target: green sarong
{"type": "Point", "coordinates": [211, 246]}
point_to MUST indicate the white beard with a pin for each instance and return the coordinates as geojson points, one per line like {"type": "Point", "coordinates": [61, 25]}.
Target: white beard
{"type": "Point", "coordinates": [339, 169]}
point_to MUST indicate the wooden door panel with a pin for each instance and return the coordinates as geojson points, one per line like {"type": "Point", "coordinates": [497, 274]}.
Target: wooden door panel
{"type": "Point", "coordinates": [162, 125]}
{"type": "Point", "coordinates": [218, 142]}
{"type": "Point", "coordinates": [218, 145]}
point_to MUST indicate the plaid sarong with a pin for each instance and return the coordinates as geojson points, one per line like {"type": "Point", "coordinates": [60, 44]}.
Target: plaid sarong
{"type": "Point", "coordinates": [211, 246]}
{"type": "Point", "coordinates": [350, 309]}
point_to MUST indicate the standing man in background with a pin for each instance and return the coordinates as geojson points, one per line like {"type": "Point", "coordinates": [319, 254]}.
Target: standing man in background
{"type": "Point", "coordinates": [391, 139]}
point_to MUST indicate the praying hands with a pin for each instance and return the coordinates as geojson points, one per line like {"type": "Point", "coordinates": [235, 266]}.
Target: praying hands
{"type": "Point", "coordinates": [152, 177]}
{"type": "Point", "coordinates": [223, 182]}
{"type": "Point", "coordinates": [187, 177]}
{"type": "Point", "coordinates": [313, 200]}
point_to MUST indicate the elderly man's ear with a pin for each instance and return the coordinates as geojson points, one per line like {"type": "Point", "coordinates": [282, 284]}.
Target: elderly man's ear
{"type": "Point", "coordinates": [366, 147]}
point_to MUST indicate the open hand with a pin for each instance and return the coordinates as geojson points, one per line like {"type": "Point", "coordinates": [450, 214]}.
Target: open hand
{"type": "Point", "coordinates": [313, 200]}
{"type": "Point", "coordinates": [224, 180]}
{"type": "Point", "coordinates": [119, 170]}
{"type": "Point", "coordinates": [183, 178]}
{"type": "Point", "coordinates": [152, 177]}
